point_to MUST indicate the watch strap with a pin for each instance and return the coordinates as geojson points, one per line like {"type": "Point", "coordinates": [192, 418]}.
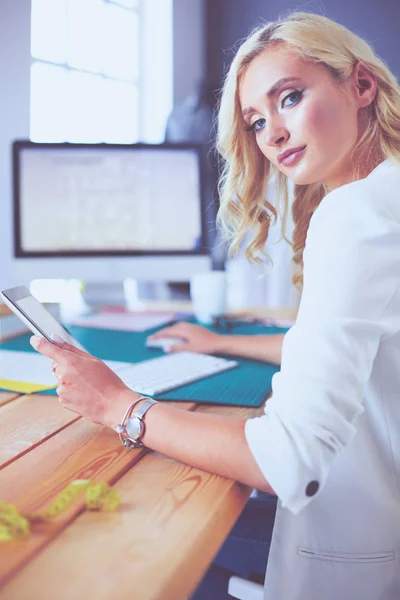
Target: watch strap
{"type": "Point", "coordinates": [121, 427]}
{"type": "Point", "coordinates": [126, 440]}
{"type": "Point", "coordinates": [143, 408]}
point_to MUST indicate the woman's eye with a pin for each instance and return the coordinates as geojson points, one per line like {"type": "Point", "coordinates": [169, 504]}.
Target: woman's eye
{"type": "Point", "coordinates": [293, 97]}
{"type": "Point", "coordinates": [257, 125]}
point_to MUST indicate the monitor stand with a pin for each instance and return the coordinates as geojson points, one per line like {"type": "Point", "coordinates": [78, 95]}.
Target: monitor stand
{"type": "Point", "coordinates": [96, 294]}
{"type": "Point", "coordinates": [132, 294]}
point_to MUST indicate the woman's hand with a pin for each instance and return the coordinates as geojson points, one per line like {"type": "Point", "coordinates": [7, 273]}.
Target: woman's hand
{"type": "Point", "coordinates": [86, 385]}
{"type": "Point", "coordinates": [197, 338]}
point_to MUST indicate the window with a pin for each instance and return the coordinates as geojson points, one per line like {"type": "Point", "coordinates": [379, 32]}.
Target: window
{"type": "Point", "coordinates": [101, 70]}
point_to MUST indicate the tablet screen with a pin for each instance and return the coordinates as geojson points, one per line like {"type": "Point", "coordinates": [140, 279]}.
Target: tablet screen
{"type": "Point", "coordinates": [36, 314]}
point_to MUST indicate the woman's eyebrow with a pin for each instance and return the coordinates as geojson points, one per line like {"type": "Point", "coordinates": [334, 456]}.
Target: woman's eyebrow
{"type": "Point", "coordinates": [281, 82]}
{"type": "Point", "coordinates": [272, 91]}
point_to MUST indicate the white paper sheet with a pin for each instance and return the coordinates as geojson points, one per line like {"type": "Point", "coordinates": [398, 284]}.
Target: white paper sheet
{"type": "Point", "coordinates": [29, 367]}
{"type": "Point", "coordinates": [32, 367]}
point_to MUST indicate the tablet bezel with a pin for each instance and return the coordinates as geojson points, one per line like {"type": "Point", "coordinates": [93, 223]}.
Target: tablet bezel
{"type": "Point", "coordinates": [11, 298]}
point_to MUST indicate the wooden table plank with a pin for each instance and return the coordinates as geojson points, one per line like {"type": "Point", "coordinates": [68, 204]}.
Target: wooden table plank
{"type": "Point", "coordinates": [81, 451]}
{"type": "Point", "coordinates": [172, 521]}
{"type": "Point", "coordinates": [6, 397]}
{"type": "Point", "coordinates": [28, 421]}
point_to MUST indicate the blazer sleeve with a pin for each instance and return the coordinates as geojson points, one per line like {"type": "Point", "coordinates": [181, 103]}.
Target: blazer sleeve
{"type": "Point", "coordinates": [351, 273]}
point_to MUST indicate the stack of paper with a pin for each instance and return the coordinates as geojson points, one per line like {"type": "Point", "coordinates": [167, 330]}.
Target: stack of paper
{"type": "Point", "coordinates": [29, 372]}
{"type": "Point", "coordinates": [25, 372]}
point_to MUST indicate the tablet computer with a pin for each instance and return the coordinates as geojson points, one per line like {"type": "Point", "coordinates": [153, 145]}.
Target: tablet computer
{"type": "Point", "coordinates": [35, 316]}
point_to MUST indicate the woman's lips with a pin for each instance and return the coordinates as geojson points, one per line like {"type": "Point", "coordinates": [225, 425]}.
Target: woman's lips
{"type": "Point", "coordinates": [293, 158]}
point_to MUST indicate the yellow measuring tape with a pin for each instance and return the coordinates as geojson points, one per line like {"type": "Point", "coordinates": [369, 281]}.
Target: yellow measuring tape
{"type": "Point", "coordinates": [98, 496]}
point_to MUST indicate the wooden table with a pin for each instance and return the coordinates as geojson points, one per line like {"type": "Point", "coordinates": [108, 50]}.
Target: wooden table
{"type": "Point", "coordinates": [171, 523]}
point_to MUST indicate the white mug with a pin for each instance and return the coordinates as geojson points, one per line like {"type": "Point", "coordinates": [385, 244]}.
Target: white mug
{"type": "Point", "coordinates": [208, 295]}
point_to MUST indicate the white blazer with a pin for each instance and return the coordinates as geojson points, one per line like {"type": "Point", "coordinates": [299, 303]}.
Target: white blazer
{"type": "Point", "coordinates": [329, 441]}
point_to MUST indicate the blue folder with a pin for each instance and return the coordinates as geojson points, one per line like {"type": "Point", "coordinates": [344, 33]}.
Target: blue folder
{"type": "Point", "coordinates": [246, 385]}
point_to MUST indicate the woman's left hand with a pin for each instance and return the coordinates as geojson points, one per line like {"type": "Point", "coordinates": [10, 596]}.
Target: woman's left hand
{"type": "Point", "coordinates": [86, 385]}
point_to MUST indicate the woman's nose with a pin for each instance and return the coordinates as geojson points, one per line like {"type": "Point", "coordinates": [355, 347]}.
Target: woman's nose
{"type": "Point", "coordinates": [275, 134]}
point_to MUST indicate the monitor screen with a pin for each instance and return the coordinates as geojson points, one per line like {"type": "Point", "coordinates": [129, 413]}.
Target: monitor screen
{"type": "Point", "coordinates": [101, 199]}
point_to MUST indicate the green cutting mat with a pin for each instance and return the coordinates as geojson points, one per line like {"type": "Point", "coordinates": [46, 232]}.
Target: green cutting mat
{"type": "Point", "coordinates": [246, 385]}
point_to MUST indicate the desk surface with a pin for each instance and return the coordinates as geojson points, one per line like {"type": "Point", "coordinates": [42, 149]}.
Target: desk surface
{"type": "Point", "coordinates": [171, 522]}
{"type": "Point", "coordinates": [157, 546]}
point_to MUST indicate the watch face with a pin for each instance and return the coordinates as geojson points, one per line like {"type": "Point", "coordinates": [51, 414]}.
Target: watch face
{"type": "Point", "coordinates": [134, 428]}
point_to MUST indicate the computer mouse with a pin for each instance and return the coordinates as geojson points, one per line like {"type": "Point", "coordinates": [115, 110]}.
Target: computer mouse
{"type": "Point", "coordinates": [165, 343]}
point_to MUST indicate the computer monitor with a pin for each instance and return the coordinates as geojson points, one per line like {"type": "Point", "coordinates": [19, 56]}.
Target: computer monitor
{"type": "Point", "coordinates": [107, 212]}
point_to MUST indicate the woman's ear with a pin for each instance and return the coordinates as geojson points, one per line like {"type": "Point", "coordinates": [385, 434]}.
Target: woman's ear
{"type": "Point", "coordinates": [364, 85]}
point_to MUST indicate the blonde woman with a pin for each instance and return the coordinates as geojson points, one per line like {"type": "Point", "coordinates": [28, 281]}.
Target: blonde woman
{"type": "Point", "coordinates": [308, 100]}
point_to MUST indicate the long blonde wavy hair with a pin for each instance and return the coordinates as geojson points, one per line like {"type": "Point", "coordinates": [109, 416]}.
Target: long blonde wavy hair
{"type": "Point", "coordinates": [246, 173]}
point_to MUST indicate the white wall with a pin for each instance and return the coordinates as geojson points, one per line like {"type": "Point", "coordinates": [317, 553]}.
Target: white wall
{"type": "Point", "coordinates": [14, 112]}
{"type": "Point", "coordinates": [189, 46]}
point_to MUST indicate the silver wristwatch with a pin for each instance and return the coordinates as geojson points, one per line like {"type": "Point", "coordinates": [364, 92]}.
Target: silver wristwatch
{"type": "Point", "coordinates": [132, 428]}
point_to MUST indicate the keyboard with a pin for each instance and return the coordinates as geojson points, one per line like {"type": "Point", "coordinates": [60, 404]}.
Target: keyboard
{"type": "Point", "coordinates": [158, 375]}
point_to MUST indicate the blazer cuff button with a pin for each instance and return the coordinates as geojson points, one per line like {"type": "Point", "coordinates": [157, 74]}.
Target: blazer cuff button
{"type": "Point", "coordinates": [312, 488]}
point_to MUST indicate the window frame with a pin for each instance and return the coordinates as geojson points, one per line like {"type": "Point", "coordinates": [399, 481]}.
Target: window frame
{"type": "Point", "coordinates": [155, 19]}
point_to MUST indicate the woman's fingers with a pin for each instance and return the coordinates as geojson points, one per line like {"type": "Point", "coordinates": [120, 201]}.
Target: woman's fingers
{"type": "Point", "coordinates": [63, 344]}
{"type": "Point", "coordinates": [181, 348]}
{"type": "Point", "coordinates": [58, 352]}
{"type": "Point", "coordinates": [63, 358]}
{"type": "Point", "coordinates": [52, 351]}
{"type": "Point", "coordinates": [86, 386]}
{"type": "Point", "coordinates": [60, 391]}
{"type": "Point", "coordinates": [172, 331]}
